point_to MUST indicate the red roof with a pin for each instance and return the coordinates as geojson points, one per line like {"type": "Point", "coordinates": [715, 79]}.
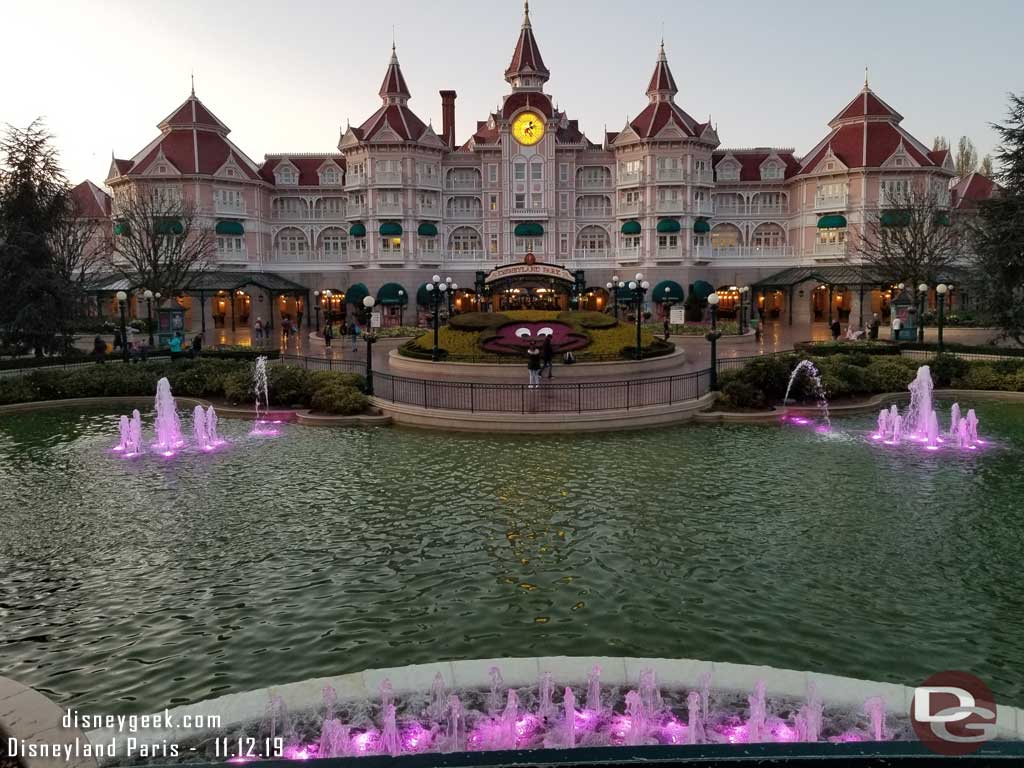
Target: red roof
{"type": "Point", "coordinates": [972, 189]}
{"type": "Point", "coordinates": [485, 134]}
{"type": "Point", "coordinates": [750, 161]}
{"type": "Point", "coordinates": [866, 104]}
{"type": "Point", "coordinates": [661, 79]}
{"type": "Point", "coordinates": [123, 166]}
{"type": "Point", "coordinates": [398, 117]}
{"type": "Point", "coordinates": [526, 58]}
{"type": "Point", "coordinates": [540, 102]}
{"type": "Point", "coordinates": [394, 82]}
{"type": "Point", "coordinates": [193, 112]}
{"type": "Point", "coordinates": [659, 114]}
{"type": "Point", "coordinates": [938, 156]}
{"type": "Point", "coordinates": [309, 168]}
{"type": "Point", "coordinates": [90, 201]}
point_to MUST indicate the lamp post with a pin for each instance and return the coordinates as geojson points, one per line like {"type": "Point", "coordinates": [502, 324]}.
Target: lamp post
{"type": "Point", "coordinates": [744, 306]}
{"type": "Point", "coordinates": [940, 297]}
{"type": "Point", "coordinates": [328, 297]}
{"type": "Point", "coordinates": [316, 309]}
{"type": "Point", "coordinates": [613, 287]}
{"type": "Point", "coordinates": [639, 287]}
{"type": "Point", "coordinates": [148, 296]}
{"type": "Point", "coordinates": [122, 297]}
{"type": "Point", "coordinates": [436, 288]}
{"type": "Point", "coordinates": [452, 288]}
{"type": "Point", "coordinates": [713, 338]}
{"type": "Point", "coordinates": [922, 290]}
{"type": "Point", "coordinates": [370, 337]}
{"type": "Point", "coordinates": [401, 306]}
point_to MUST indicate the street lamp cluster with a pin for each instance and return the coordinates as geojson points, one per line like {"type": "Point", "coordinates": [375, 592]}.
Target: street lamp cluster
{"type": "Point", "coordinates": [639, 287]}
{"type": "Point", "coordinates": [438, 290]}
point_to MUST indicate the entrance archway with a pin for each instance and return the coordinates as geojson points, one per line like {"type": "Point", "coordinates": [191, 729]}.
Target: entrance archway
{"type": "Point", "coordinates": [530, 285]}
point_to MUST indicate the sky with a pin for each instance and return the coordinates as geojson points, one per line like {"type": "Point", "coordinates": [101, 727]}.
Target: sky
{"type": "Point", "coordinates": [286, 76]}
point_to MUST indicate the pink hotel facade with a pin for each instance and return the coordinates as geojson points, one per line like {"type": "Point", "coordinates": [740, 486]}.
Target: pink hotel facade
{"type": "Point", "coordinates": [399, 202]}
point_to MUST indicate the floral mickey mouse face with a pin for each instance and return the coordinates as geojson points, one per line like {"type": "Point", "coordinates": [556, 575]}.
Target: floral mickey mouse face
{"type": "Point", "coordinates": [516, 338]}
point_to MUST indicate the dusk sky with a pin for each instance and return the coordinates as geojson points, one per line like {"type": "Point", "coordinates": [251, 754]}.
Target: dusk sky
{"type": "Point", "coordinates": [286, 76]}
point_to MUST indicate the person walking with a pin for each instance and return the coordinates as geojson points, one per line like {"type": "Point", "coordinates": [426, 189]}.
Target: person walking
{"type": "Point", "coordinates": [533, 363]}
{"type": "Point", "coordinates": [873, 331]}
{"type": "Point", "coordinates": [175, 343]}
{"type": "Point", "coordinates": [547, 352]}
{"type": "Point", "coordinates": [99, 349]}
{"type": "Point", "coordinates": [667, 328]}
{"type": "Point", "coordinates": [836, 329]}
{"type": "Point", "coordinates": [118, 340]}
{"type": "Point", "coordinates": [258, 327]}
{"type": "Point", "coordinates": [197, 345]}
{"type": "Point", "coordinates": [355, 337]}
{"type": "Point", "coordinates": [328, 335]}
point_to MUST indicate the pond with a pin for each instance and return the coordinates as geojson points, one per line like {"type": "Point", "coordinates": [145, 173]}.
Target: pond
{"type": "Point", "coordinates": [130, 585]}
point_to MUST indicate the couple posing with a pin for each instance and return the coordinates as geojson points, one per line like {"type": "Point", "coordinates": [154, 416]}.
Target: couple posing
{"type": "Point", "coordinates": [538, 360]}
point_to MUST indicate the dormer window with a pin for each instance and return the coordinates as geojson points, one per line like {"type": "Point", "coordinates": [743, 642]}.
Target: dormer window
{"type": "Point", "coordinates": [898, 162]}
{"type": "Point", "coordinates": [830, 166]}
{"type": "Point", "coordinates": [771, 171]}
{"type": "Point", "coordinates": [287, 176]}
{"type": "Point", "coordinates": [229, 172]}
{"type": "Point", "coordinates": [728, 172]}
{"type": "Point", "coordinates": [329, 176]}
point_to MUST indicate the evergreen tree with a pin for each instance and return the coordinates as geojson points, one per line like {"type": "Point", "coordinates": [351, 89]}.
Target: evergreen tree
{"type": "Point", "coordinates": [998, 274]}
{"type": "Point", "coordinates": [33, 199]}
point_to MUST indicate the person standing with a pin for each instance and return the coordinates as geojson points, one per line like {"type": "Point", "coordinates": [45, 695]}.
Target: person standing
{"type": "Point", "coordinates": [328, 335]}
{"type": "Point", "coordinates": [99, 349]}
{"type": "Point", "coordinates": [197, 345]}
{"type": "Point", "coordinates": [355, 337]}
{"type": "Point", "coordinates": [533, 364]}
{"type": "Point", "coordinates": [836, 329]}
{"type": "Point", "coordinates": [547, 352]}
{"type": "Point", "coordinates": [667, 328]}
{"type": "Point", "coordinates": [258, 327]}
{"type": "Point", "coordinates": [873, 332]}
{"type": "Point", "coordinates": [175, 343]}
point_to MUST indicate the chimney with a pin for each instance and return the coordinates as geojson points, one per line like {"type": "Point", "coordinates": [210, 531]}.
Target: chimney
{"type": "Point", "coordinates": [448, 118]}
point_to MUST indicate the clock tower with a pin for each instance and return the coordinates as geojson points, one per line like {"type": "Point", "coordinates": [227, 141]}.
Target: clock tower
{"type": "Point", "coordinates": [527, 71]}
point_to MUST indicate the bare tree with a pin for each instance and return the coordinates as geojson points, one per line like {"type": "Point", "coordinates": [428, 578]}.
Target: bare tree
{"type": "Point", "coordinates": [76, 250]}
{"type": "Point", "coordinates": [966, 160]}
{"type": "Point", "coordinates": [910, 239]}
{"type": "Point", "coordinates": [940, 142]}
{"type": "Point", "coordinates": [985, 167]}
{"type": "Point", "coordinates": [160, 241]}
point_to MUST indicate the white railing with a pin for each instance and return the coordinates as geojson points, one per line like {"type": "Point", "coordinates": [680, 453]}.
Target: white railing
{"type": "Point", "coordinates": [428, 181]}
{"type": "Point", "coordinates": [317, 255]}
{"type": "Point", "coordinates": [430, 210]}
{"type": "Point", "coordinates": [355, 210]}
{"type": "Point", "coordinates": [750, 253]}
{"type": "Point", "coordinates": [831, 250]}
{"type": "Point", "coordinates": [593, 212]}
{"type": "Point", "coordinates": [668, 254]}
{"type": "Point", "coordinates": [390, 209]}
{"type": "Point", "coordinates": [831, 202]}
{"type": "Point", "coordinates": [701, 207]}
{"type": "Point", "coordinates": [464, 214]}
{"type": "Point", "coordinates": [387, 177]}
{"type": "Point", "coordinates": [670, 174]}
{"type": "Point", "coordinates": [232, 255]}
{"type": "Point", "coordinates": [671, 206]}
{"type": "Point", "coordinates": [701, 177]}
{"type": "Point", "coordinates": [354, 257]}
{"type": "Point", "coordinates": [456, 184]}
{"type": "Point", "coordinates": [586, 184]}
{"type": "Point", "coordinates": [754, 209]}
{"type": "Point", "coordinates": [590, 254]}
{"type": "Point", "coordinates": [353, 180]}
{"type": "Point", "coordinates": [529, 213]}
{"type": "Point", "coordinates": [235, 208]}
{"type": "Point", "coordinates": [628, 255]}
{"type": "Point", "coordinates": [449, 256]}
{"type": "Point", "coordinates": [389, 256]}
{"type": "Point", "coordinates": [628, 208]}
{"type": "Point", "coordinates": [628, 178]}
{"type": "Point", "coordinates": [722, 209]}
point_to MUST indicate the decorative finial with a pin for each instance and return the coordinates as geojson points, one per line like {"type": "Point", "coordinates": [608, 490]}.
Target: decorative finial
{"type": "Point", "coordinates": [865, 76]}
{"type": "Point", "coordinates": [192, 77]}
{"type": "Point", "coordinates": [526, 13]}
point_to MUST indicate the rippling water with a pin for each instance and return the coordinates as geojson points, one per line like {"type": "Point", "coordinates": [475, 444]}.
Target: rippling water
{"type": "Point", "coordinates": [132, 585]}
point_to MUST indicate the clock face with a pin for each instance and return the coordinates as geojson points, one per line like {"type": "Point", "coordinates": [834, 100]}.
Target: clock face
{"type": "Point", "coordinates": [528, 129]}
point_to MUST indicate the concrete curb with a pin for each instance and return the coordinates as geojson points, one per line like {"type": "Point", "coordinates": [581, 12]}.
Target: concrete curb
{"type": "Point", "coordinates": [307, 695]}
{"type": "Point", "coordinates": [29, 716]}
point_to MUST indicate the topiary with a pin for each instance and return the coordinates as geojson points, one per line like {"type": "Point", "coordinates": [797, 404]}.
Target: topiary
{"type": "Point", "coordinates": [321, 379]}
{"type": "Point", "coordinates": [770, 375]}
{"type": "Point", "coordinates": [339, 399]}
{"type": "Point", "coordinates": [288, 385]}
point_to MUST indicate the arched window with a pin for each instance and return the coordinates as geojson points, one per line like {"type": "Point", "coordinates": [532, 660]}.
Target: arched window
{"type": "Point", "coordinates": [464, 240]}
{"type": "Point", "coordinates": [291, 243]}
{"type": "Point", "coordinates": [726, 236]}
{"type": "Point", "coordinates": [333, 243]}
{"type": "Point", "coordinates": [592, 239]}
{"type": "Point", "coordinates": [768, 236]}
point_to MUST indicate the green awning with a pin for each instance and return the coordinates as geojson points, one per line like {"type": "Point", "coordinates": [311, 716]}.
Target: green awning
{"type": "Point", "coordinates": [702, 289]}
{"type": "Point", "coordinates": [667, 290]}
{"type": "Point", "coordinates": [423, 296]}
{"type": "Point", "coordinates": [122, 228]}
{"type": "Point", "coordinates": [832, 221]}
{"type": "Point", "coordinates": [169, 227]}
{"type": "Point", "coordinates": [529, 229]}
{"type": "Point", "coordinates": [701, 226]}
{"type": "Point", "coordinates": [631, 227]}
{"type": "Point", "coordinates": [894, 219]}
{"type": "Point", "coordinates": [942, 218]}
{"type": "Point", "coordinates": [391, 229]}
{"type": "Point", "coordinates": [622, 293]}
{"type": "Point", "coordinates": [427, 229]}
{"type": "Point", "coordinates": [389, 294]}
{"type": "Point", "coordinates": [668, 226]}
{"type": "Point", "coordinates": [233, 228]}
{"type": "Point", "coordinates": [358, 229]}
{"type": "Point", "coordinates": [356, 294]}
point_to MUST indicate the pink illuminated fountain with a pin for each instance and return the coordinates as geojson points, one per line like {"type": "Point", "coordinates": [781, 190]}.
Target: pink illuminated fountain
{"type": "Point", "coordinates": [168, 427]}
{"type": "Point", "coordinates": [594, 689]}
{"type": "Point", "coordinates": [920, 423]}
{"type": "Point", "coordinates": [806, 366]}
{"type": "Point", "coordinates": [263, 426]}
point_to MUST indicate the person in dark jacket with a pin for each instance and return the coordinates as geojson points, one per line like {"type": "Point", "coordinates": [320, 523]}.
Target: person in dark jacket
{"type": "Point", "coordinates": [547, 352]}
{"type": "Point", "coordinates": [99, 349]}
{"type": "Point", "coordinates": [197, 345]}
{"type": "Point", "coordinates": [873, 329]}
{"type": "Point", "coordinates": [836, 329]}
{"type": "Point", "coordinates": [533, 364]}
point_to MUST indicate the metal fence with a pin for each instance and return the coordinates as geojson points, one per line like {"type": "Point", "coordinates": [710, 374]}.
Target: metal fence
{"type": "Point", "coordinates": [326, 364]}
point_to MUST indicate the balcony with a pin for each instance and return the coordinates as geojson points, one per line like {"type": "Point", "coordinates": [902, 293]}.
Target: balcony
{"type": "Point", "coordinates": [670, 174]}
{"type": "Point", "coordinates": [592, 212]}
{"type": "Point", "coordinates": [668, 254]}
{"type": "Point", "coordinates": [626, 209]}
{"type": "Point", "coordinates": [389, 209]}
{"type": "Point", "coordinates": [701, 208]}
{"type": "Point", "coordinates": [329, 214]}
{"type": "Point", "coordinates": [628, 256]}
{"type": "Point", "coordinates": [353, 181]}
{"type": "Point", "coordinates": [592, 254]}
{"type": "Point", "coordinates": [464, 214]}
{"type": "Point", "coordinates": [593, 184]}
{"type": "Point", "coordinates": [463, 184]}
{"type": "Point", "coordinates": [303, 214]}
{"type": "Point", "coordinates": [723, 209]}
{"type": "Point", "coordinates": [231, 257]}
{"type": "Point", "coordinates": [768, 209]}
{"type": "Point", "coordinates": [467, 256]}
{"type": "Point", "coordinates": [355, 210]}
{"type": "Point", "coordinates": [429, 211]}
{"type": "Point", "coordinates": [291, 257]}
{"type": "Point", "coordinates": [354, 258]}
{"type": "Point", "coordinates": [671, 206]}
{"type": "Point", "coordinates": [389, 178]}
{"type": "Point", "coordinates": [701, 177]}
{"type": "Point", "coordinates": [429, 182]}
{"type": "Point", "coordinates": [529, 213]}
{"type": "Point", "coordinates": [751, 254]}
{"type": "Point", "coordinates": [429, 258]}
{"type": "Point", "coordinates": [831, 202]}
{"type": "Point", "coordinates": [231, 209]}
{"type": "Point", "coordinates": [391, 256]}
{"type": "Point", "coordinates": [628, 179]}
{"type": "Point", "coordinates": [829, 250]}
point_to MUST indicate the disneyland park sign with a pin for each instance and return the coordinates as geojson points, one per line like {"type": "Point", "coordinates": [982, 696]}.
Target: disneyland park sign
{"type": "Point", "coordinates": [530, 270]}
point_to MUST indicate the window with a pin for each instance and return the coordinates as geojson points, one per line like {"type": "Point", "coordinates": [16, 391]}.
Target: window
{"type": "Point", "coordinates": [520, 201]}
{"type": "Point", "coordinates": [333, 242]}
{"type": "Point", "coordinates": [699, 241]}
{"type": "Point", "coordinates": [492, 244]}
{"type": "Point", "coordinates": [492, 173]}
{"type": "Point", "coordinates": [428, 244]}
{"type": "Point", "coordinates": [519, 170]}
{"type": "Point", "coordinates": [537, 171]}
{"type": "Point", "coordinates": [165, 195]}
{"type": "Point", "coordinates": [700, 165]}
{"type": "Point", "coordinates": [667, 242]}
{"type": "Point", "coordinates": [563, 173]}
{"type": "Point", "coordinates": [231, 245]}
{"type": "Point", "coordinates": [464, 206]}
{"type": "Point", "coordinates": [563, 243]}
{"type": "Point", "coordinates": [630, 168]}
{"type": "Point", "coordinates": [292, 242]}
{"type": "Point", "coordinates": [537, 200]}
{"type": "Point", "coordinates": [230, 199]}
{"type": "Point", "coordinates": [161, 168]}
{"type": "Point", "coordinates": [831, 236]}
{"type": "Point", "coordinates": [529, 245]}
{"type": "Point", "coordinates": [771, 171]}
{"type": "Point", "coordinates": [632, 242]}
{"type": "Point", "coordinates": [359, 244]}
{"type": "Point", "coordinates": [563, 202]}
{"type": "Point", "coordinates": [898, 162]}
{"type": "Point", "coordinates": [893, 190]}
{"type": "Point", "coordinates": [464, 240]}
{"type": "Point", "coordinates": [592, 239]}
{"type": "Point", "coordinates": [287, 175]}
{"type": "Point", "coordinates": [768, 236]}
{"type": "Point", "coordinates": [830, 166]}
{"type": "Point", "coordinates": [330, 175]}
{"type": "Point", "coordinates": [728, 172]}
{"type": "Point", "coordinates": [492, 202]}
{"type": "Point", "coordinates": [332, 207]}
{"type": "Point", "coordinates": [832, 190]}
{"type": "Point", "coordinates": [391, 245]}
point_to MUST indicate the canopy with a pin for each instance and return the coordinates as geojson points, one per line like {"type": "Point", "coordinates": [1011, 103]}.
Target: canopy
{"type": "Point", "coordinates": [169, 227]}
{"type": "Point", "coordinates": [942, 218]}
{"type": "Point", "coordinates": [668, 226]}
{"type": "Point", "coordinates": [832, 221]}
{"type": "Point", "coordinates": [358, 229]}
{"type": "Point", "coordinates": [121, 228]}
{"type": "Point", "coordinates": [423, 296]}
{"type": "Point", "coordinates": [427, 229]}
{"type": "Point", "coordinates": [391, 229]}
{"type": "Point", "coordinates": [356, 294]}
{"type": "Point", "coordinates": [701, 226]}
{"type": "Point", "coordinates": [233, 228]}
{"type": "Point", "coordinates": [702, 289]}
{"type": "Point", "coordinates": [389, 294]}
{"type": "Point", "coordinates": [529, 229]}
{"type": "Point", "coordinates": [667, 290]}
{"type": "Point", "coordinates": [631, 227]}
{"type": "Point", "coordinates": [894, 219]}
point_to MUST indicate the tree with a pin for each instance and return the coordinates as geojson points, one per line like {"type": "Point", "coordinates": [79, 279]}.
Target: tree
{"type": "Point", "coordinates": [966, 160]}
{"type": "Point", "coordinates": [909, 239]}
{"type": "Point", "coordinates": [33, 201]}
{"type": "Point", "coordinates": [940, 142]}
{"type": "Point", "coordinates": [985, 167]}
{"type": "Point", "coordinates": [998, 233]}
{"type": "Point", "coordinates": [159, 242]}
{"type": "Point", "coordinates": [76, 252]}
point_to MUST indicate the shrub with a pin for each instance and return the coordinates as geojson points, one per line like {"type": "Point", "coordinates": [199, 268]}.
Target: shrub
{"type": "Point", "coordinates": [946, 369]}
{"type": "Point", "coordinates": [340, 399]}
{"type": "Point", "coordinates": [238, 352]}
{"type": "Point", "coordinates": [825, 348]}
{"type": "Point", "coordinates": [531, 315]}
{"type": "Point", "coordinates": [981, 376]}
{"type": "Point", "coordinates": [18, 389]}
{"type": "Point", "coordinates": [889, 375]}
{"type": "Point", "coordinates": [400, 331]}
{"type": "Point", "coordinates": [237, 386]}
{"type": "Point", "coordinates": [321, 379]}
{"type": "Point", "coordinates": [770, 375]}
{"type": "Point", "coordinates": [478, 321]}
{"type": "Point", "coordinates": [1007, 367]}
{"type": "Point", "coordinates": [738, 393]}
{"type": "Point", "coordinates": [288, 385]}
{"type": "Point", "coordinates": [841, 378]}
{"type": "Point", "coordinates": [588, 319]}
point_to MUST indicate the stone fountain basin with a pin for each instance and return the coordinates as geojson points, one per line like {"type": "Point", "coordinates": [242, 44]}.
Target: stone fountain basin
{"type": "Point", "coordinates": [238, 709]}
